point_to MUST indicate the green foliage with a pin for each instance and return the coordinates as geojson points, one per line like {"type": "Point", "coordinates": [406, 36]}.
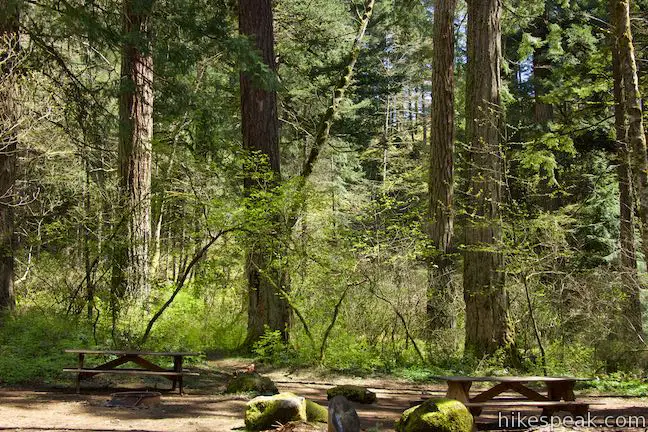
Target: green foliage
{"type": "Point", "coordinates": [618, 384]}
{"type": "Point", "coordinates": [353, 240]}
{"type": "Point", "coordinates": [346, 353]}
{"type": "Point", "coordinates": [270, 347]}
{"type": "Point", "coordinates": [196, 324]}
{"type": "Point", "coordinates": [573, 359]}
{"type": "Point", "coordinates": [528, 45]}
{"type": "Point", "coordinates": [32, 345]}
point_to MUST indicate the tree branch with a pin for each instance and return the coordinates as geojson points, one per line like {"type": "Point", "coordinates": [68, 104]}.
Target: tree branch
{"type": "Point", "coordinates": [324, 126]}
{"type": "Point", "coordinates": [181, 281]}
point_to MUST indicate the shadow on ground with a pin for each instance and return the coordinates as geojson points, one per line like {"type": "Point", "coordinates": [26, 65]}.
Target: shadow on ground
{"type": "Point", "coordinates": [204, 407]}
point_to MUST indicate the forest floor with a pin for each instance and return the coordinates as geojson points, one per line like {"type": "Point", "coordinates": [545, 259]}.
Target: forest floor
{"type": "Point", "coordinates": [204, 408]}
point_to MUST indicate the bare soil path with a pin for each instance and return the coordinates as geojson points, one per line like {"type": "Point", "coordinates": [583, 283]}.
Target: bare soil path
{"type": "Point", "coordinates": [204, 408]}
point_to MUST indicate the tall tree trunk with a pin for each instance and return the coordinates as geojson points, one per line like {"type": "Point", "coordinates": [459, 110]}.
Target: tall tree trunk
{"type": "Point", "coordinates": [639, 160]}
{"type": "Point", "coordinates": [136, 131]}
{"type": "Point", "coordinates": [424, 120]}
{"type": "Point", "coordinates": [87, 232]}
{"type": "Point", "coordinates": [624, 172]}
{"type": "Point", "coordinates": [487, 321]}
{"type": "Point", "coordinates": [441, 175]}
{"type": "Point", "coordinates": [9, 49]}
{"type": "Point", "coordinates": [267, 281]}
{"type": "Point", "coordinates": [543, 112]}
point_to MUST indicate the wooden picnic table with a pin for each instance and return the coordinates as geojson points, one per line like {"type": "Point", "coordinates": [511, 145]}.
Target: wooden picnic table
{"type": "Point", "coordinates": [560, 393]}
{"type": "Point", "coordinates": [175, 375]}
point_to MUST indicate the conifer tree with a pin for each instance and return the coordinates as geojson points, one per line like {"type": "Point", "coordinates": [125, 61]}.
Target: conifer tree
{"type": "Point", "coordinates": [131, 273]}
{"type": "Point", "coordinates": [267, 281]}
{"type": "Point", "coordinates": [441, 174]}
{"type": "Point", "coordinates": [487, 321]}
{"type": "Point", "coordinates": [626, 73]}
{"type": "Point", "coordinates": [9, 49]}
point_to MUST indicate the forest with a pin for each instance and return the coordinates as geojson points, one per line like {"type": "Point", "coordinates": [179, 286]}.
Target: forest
{"type": "Point", "coordinates": [360, 186]}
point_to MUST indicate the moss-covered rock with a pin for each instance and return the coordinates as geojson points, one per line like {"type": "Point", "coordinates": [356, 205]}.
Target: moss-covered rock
{"type": "Point", "coordinates": [251, 382]}
{"type": "Point", "coordinates": [316, 412]}
{"type": "Point", "coordinates": [436, 415]}
{"type": "Point", "coordinates": [266, 412]}
{"type": "Point", "coordinates": [301, 427]}
{"type": "Point", "coordinates": [353, 393]}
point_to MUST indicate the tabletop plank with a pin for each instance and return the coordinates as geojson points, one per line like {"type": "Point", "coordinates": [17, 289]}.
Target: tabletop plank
{"type": "Point", "coordinates": [504, 379]}
{"type": "Point", "coordinates": [138, 353]}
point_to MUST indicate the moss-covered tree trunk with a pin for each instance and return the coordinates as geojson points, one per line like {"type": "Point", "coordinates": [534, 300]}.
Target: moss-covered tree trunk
{"type": "Point", "coordinates": [267, 279]}
{"type": "Point", "coordinates": [487, 321]}
{"type": "Point", "coordinates": [624, 172]}
{"type": "Point", "coordinates": [441, 174]}
{"type": "Point", "coordinates": [637, 143]}
{"type": "Point", "coordinates": [326, 122]}
{"type": "Point", "coordinates": [9, 49]}
{"type": "Point", "coordinates": [131, 274]}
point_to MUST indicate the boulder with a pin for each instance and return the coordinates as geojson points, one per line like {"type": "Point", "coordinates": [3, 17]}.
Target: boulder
{"type": "Point", "coordinates": [353, 393]}
{"type": "Point", "coordinates": [342, 416]}
{"type": "Point", "coordinates": [266, 412]}
{"type": "Point", "coordinates": [315, 412]}
{"type": "Point", "coordinates": [436, 415]}
{"type": "Point", "coordinates": [251, 382]}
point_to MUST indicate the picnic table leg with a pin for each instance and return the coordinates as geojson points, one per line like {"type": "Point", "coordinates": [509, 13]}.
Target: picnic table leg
{"type": "Point", "coordinates": [566, 391]}
{"type": "Point", "coordinates": [459, 391]}
{"type": "Point", "coordinates": [78, 380]}
{"type": "Point", "coordinates": [177, 367]}
{"type": "Point", "coordinates": [560, 390]}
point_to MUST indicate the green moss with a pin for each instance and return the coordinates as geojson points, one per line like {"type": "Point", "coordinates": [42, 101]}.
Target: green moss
{"type": "Point", "coordinates": [316, 412]}
{"type": "Point", "coordinates": [264, 412]}
{"type": "Point", "coordinates": [353, 393]}
{"type": "Point", "coordinates": [436, 415]}
{"type": "Point", "coordinates": [251, 383]}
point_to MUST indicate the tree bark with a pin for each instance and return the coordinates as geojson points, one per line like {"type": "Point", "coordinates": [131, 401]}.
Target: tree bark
{"type": "Point", "coordinates": [487, 321]}
{"type": "Point", "coordinates": [543, 112]}
{"type": "Point", "coordinates": [441, 175]}
{"type": "Point", "coordinates": [624, 172]}
{"type": "Point", "coordinates": [9, 49]}
{"type": "Point", "coordinates": [631, 97]}
{"type": "Point", "coordinates": [267, 281]}
{"type": "Point", "coordinates": [424, 117]}
{"type": "Point", "coordinates": [136, 131]}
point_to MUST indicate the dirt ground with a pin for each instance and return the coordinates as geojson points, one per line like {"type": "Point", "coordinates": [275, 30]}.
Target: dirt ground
{"type": "Point", "coordinates": [203, 408]}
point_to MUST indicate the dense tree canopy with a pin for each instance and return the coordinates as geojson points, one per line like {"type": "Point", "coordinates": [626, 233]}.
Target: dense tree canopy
{"type": "Point", "coordinates": [360, 184]}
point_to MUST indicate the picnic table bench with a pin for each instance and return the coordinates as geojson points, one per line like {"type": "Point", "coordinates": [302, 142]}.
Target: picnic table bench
{"type": "Point", "coordinates": [560, 393]}
{"type": "Point", "coordinates": [175, 375]}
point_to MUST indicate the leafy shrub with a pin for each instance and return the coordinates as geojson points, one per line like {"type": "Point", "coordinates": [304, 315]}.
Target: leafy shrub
{"type": "Point", "coordinates": [619, 383]}
{"type": "Point", "coordinates": [192, 324]}
{"type": "Point", "coordinates": [270, 347]}
{"type": "Point", "coordinates": [33, 343]}
{"type": "Point", "coordinates": [350, 354]}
